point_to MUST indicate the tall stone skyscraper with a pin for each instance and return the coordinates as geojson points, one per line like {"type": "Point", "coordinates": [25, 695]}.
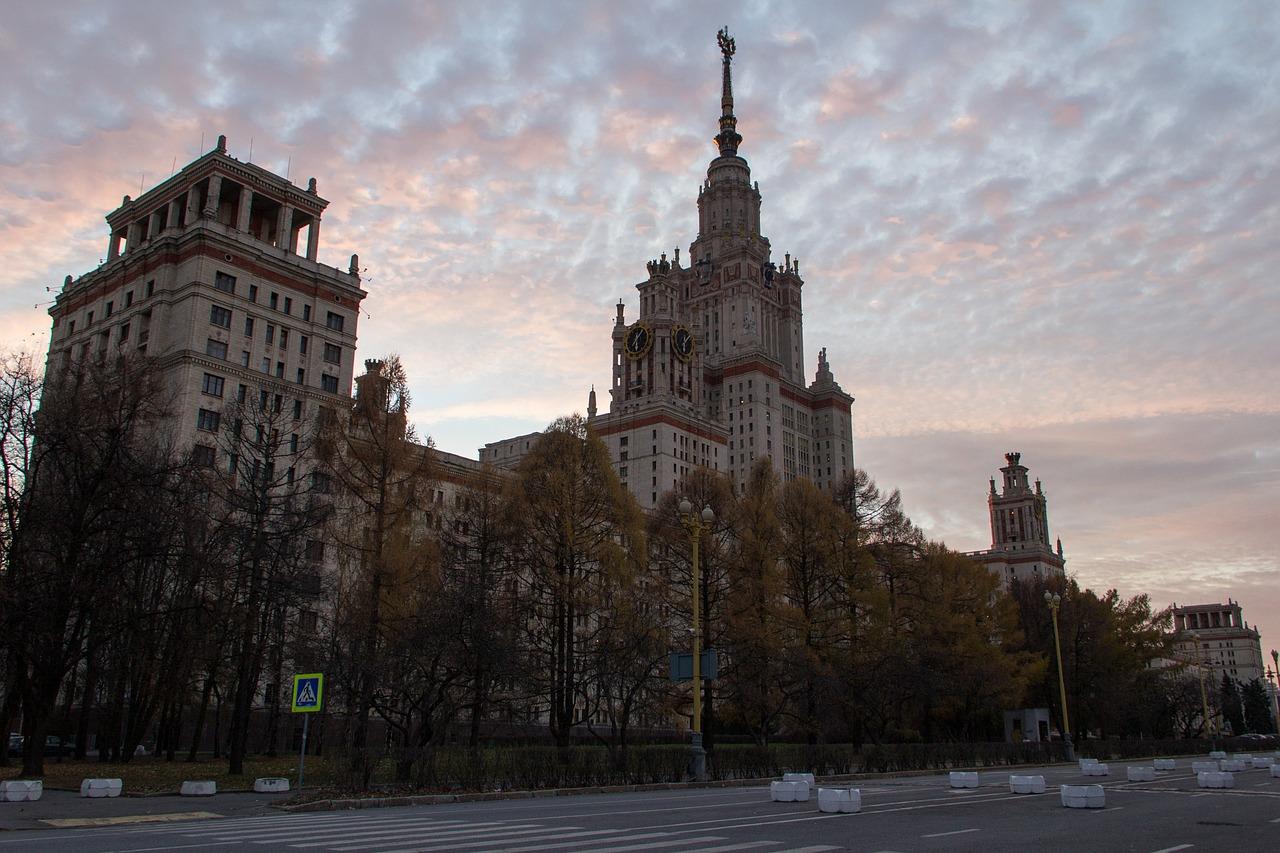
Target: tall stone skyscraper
{"type": "Point", "coordinates": [1020, 545]}
{"type": "Point", "coordinates": [203, 273]}
{"type": "Point", "coordinates": [711, 371]}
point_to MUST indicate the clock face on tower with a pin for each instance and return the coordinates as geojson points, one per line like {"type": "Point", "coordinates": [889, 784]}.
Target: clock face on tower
{"type": "Point", "coordinates": [682, 342]}
{"type": "Point", "coordinates": [638, 341]}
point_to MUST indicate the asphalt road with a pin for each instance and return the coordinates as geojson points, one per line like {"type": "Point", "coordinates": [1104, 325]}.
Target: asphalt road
{"type": "Point", "coordinates": [904, 814]}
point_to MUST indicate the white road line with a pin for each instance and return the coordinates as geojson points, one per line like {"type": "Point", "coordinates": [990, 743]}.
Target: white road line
{"type": "Point", "coordinates": [746, 845]}
{"type": "Point", "coordinates": [453, 834]}
{"type": "Point", "coordinates": [589, 836]}
{"type": "Point", "coordinates": [1171, 849]}
{"type": "Point", "coordinates": [354, 825]}
{"type": "Point", "coordinates": [416, 836]}
{"type": "Point", "coordinates": [561, 844]}
{"type": "Point", "coordinates": [953, 832]}
{"type": "Point", "coordinates": [170, 847]}
{"type": "Point", "coordinates": [818, 848]}
{"type": "Point", "coordinates": [655, 845]}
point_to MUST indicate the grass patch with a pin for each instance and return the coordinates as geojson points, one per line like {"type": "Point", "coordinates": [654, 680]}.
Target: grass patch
{"type": "Point", "coordinates": [150, 775]}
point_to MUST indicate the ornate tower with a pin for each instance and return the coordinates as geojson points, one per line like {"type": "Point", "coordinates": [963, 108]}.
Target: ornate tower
{"type": "Point", "coordinates": [1020, 544]}
{"type": "Point", "coordinates": [711, 373]}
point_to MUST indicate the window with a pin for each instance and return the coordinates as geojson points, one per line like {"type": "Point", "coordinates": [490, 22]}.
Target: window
{"type": "Point", "coordinates": [212, 385]}
{"type": "Point", "coordinates": [288, 305]}
{"type": "Point", "coordinates": [241, 393]}
{"type": "Point", "coordinates": [297, 410]}
{"type": "Point", "coordinates": [202, 455]}
{"type": "Point", "coordinates": [128, 298]}
{"type": "Point", "coordinates": [271, 334]}
{"type": "Point", "coordinates": [335, 321]}
{"type": "Point", "coordinates": [293, 443]}
{"type": "Point", "coordinates": [225, 283]}
{"type": "Point", "coordinates": [208, 420]}
{"type": "Point", "coordinates": [306, 312]}
{"type": "Point", "coordinates": [315, 547]}
{"type": "Point", "coordinates": [266, 364]}
{"type": "Point", "coordinates": [151, 287]}
{"type": "Point", "coordinates": [302, 376]}
{"type": "Point", "coordinates": [329, 383]}
{"type": "Point", "coordinates": [248, 327]}
{"type": "Point", "coordinates": [217, 349]}
{"type": "Point", "coordinates": [302, 344]}
{"type": "Point", "coordinates": [89, 322]}
{"type": "Point", "coordinates": [279, 370]}
{"type": "Point", "coordinates": [307, 621]}
{"type": "Point", "coordinates": [320, 483]}
{"type": "Point", "coordinates": [110, 307]}
{"type": "Point", "coordinates": [253, 293]}
{"type": "Point", "coordinates": [333, 353]}
{"type": "Point", "coordinates": [71, 330]}
{"type": "Point", "coordinates": [244, 358]}
{"type": "Point", "coordinates": [284, 338]}
{"type": "Point", "coordinates": [220, 316]}
{"type": "Point", "coordinates": [274, 300]}
{"type": "Point", "coordinates": [124, 333]}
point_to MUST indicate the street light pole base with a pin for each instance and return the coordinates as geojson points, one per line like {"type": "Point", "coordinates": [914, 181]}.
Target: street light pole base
{"type": "Point", "coordinates": [1068, 748]}
{"type": "Point", "coordinates": [697, 759]}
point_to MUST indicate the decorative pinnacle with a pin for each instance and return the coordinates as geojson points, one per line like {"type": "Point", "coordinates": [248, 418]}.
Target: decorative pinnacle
{"type": "Point", "coordinates": [728, 139]}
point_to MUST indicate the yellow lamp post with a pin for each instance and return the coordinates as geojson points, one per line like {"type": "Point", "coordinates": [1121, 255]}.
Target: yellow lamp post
{"type": "Point", "coordinates": [695, 524]}
{"type": "Point", "coordinates": [1054, 601]}
{"type": "Point", "coordinates": [1275, 694]}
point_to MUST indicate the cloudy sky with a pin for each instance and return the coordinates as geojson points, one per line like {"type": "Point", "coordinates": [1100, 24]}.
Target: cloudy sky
{"type": "Point", "coordinates": [1022, 226]}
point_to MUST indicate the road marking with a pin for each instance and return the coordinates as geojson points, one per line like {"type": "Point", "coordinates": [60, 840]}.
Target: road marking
{"type": "Point", "coordinates": [1260, 784]}
{"type": "Point", "coordinates": [1107, 809]}
{"type": "Point", "coordinates": [560, 844]}
{"type": "Point", "coordinates": [121, 820]}
{"type": "Point", "coordinates": [818, 848]}
{"type": "Point", "coordinates": [953, 832]}
{"type": "Point", "coordinates": [589, 837]}
{"type": "Point", "coordinates": [1171, 849]}
{"type": "Point", "coordinates": [655, 845]}
{"type": "Point", "coordinates": [747, 845]}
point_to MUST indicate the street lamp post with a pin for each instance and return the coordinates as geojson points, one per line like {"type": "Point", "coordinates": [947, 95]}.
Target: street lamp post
{"type": "Point", "coordinates": [1054, 601]}
{"type": "Point", "coordinates": [1275, 694]}
{"type": "Point", "coordinates": [695, 524]}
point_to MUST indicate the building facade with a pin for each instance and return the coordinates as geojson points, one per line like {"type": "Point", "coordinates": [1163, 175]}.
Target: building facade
{"type": "Point", "coordinates": [203, 275]}
{"type": "Point", "coordinates": [1217, 637]}
{"type": "Point", "coordinates": [1020, 542]}
{"type": "Point", "coordinates": [710, 372]}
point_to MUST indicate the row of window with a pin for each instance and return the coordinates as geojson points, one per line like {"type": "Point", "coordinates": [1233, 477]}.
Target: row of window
{"type": "Point", "coordinates": [111, 306]}
{"type": "Point", "coordinates": [227, 284]}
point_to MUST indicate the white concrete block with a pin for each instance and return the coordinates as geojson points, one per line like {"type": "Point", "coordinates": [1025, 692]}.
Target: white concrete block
{"type": "Point", "coordinates": [1204, 767]}
{"type": "Point", "coordinates": [21, 790]}
{"type": "Point", "coordinates": [839, 800]}
{"type": "Point", "coordinates": [1096, 770]}
{"type": "Point", "coordinates": [963, 780]}
{"type": "Point", "coordinates": [1084, 796]}
{"type": "Point", "coordinates": [1215, 780]}
{"type": "Point", "coordinates": [271, 785]}
{"type": "Point", "coordinates": [201, 788]}
{"type": "Point", "coordinates": [1262, 762]}
{"type": "Point", "coordinates": [1141, 774]}
{"type": "Point", "coordinates": [1242, 756]}
{"type": "Point", "coordinates": [1085, 762]}
{"type": "Point", "coordinates": [1026, 784]}
{"type": "Point", "coordinates": [1231, 765]}
{"type": "Point", "coordinates": [1275, 771]}
{"type": "Point", "coordinates": [807, 778]}
{"type": "Point", "coordinates": [789, 792]}
{"type": "Point", "coordinates": [1166, 764]}
{"type": "Point", "coordinates": [96, 788]}
{"type": "Point", "coordinates": [1217, 754]}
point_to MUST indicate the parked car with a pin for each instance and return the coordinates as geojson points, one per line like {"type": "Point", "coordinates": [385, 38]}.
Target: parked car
{"type": "Point", "coordinates": [15, 743]}
{"type": "Point", "coordinates": [56, 747]}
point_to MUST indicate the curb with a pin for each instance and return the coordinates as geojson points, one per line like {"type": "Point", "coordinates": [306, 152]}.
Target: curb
{"type": "Point", "coordinates": [489, 796]}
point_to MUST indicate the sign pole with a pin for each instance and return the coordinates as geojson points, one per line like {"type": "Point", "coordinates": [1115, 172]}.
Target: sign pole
{"type": "Point", "coordinates": [302, 756]}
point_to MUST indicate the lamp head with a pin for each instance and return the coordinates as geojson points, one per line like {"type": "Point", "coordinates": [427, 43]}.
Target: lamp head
{"type": "Point", "coordinates": [707, 515]}
{"type": "Point", "coordinates": [1048, 596]}
{"type": "Point", "coordinates": [685, 506]}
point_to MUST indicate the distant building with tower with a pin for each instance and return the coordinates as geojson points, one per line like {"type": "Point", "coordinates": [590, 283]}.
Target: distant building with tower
{"type": "Point", "coordinates": [1216, 636]}
{"type": "Point", "coordinates": [1020, 542]}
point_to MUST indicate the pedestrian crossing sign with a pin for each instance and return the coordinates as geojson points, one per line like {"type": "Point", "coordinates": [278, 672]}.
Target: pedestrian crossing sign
{"type": "Point", "coordinates": [308, 690]}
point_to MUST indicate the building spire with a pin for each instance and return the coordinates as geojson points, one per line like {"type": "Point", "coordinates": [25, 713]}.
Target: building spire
{"type": "Point", "coordinates": [728, 139]}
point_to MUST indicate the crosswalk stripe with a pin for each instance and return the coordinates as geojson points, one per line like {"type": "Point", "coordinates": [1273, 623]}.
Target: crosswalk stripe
{"type": "Point", "coordinates": [303, 833]}
{"type": "Point", "coordinates": [351, 824]}
{"type": "Point", "coordinates": [816, 848]}
{"type": "Point", "coordinates": [746, 845]}
{"type": "Point", "coordinates": [436, 840]}
{"type": "Point", "coordinates": [420, 833]}
{"type": "Point", "coordinates": [559, 841]}
{"type": "Point", "coordinates": [656, 844]}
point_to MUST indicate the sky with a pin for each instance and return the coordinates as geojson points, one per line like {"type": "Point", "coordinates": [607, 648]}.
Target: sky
{"type": "Point", "coordinates": [1030, 226]}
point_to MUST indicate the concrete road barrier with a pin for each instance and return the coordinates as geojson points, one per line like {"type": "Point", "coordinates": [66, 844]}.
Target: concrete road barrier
{"type": "Point", "coordinates": [1231, 765]}
{"type": "Point", "coordinates": [1242, 756]}
{"type": "Point", "coordinates": [963, 780]}
{"type": "Point", "coordinates": [789, 792]}
{"type": "Point", "coordinates": [1026, 784]}
{"type": "Point", "coordinates": [1084, 797]}
{"type": "Point", "coordinates": [1262, 762]}
{"type": "Point", "coordinates": [807, 778]}
{"type": "Point", "coordinates": [271, 785]}
{"type": "Point", "coordinates": [1165, 764]}
{"type": "Point", "coordinates": [1205, 767]}
{"type": "Point", "coordinates": [1140, 774]}
{"type": "Point", "coordinates": [1085, 762]}
{"type": "Point", "coordinates": [1217, 755]}
{"type": "Point", "coordinates": [21, 790]}
{"type": "Point", "coordinates": [201, 788]}
{"type": "Point", "coordinates": [839, 800]}
{"type": "Point", "coordinates": [1096, 770]}
{"type": "Point", "coordinates": [96, 788]}
{"type": "Point", "coordinates": [1215, 780]}
{"type": "Point", "coordinates": [1275, 771]}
